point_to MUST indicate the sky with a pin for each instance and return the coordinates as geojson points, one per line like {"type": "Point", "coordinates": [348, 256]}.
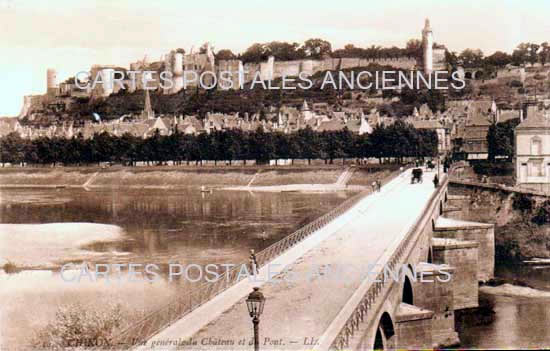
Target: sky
{"type": "Point", "coordinates": [71, 36]}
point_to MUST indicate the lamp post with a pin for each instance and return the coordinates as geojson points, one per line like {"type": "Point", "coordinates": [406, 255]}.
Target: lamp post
{"type": "Point", "coordinates": [255, 303]}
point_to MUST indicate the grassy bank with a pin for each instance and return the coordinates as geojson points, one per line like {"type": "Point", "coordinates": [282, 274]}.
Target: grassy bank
{"type": "Point", "coordinates": [183, 176]}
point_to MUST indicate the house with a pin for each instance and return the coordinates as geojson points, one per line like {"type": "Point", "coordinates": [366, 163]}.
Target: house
{"type": "Point", "coordinates": [532, 151]}
{"type": "Point", "coordinates": [474, 134]}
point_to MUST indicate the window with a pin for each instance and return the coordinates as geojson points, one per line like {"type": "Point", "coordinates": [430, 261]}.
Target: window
{"type": "Point", "coordinates": [536, 168]}
{"type": "Point", "coordinates": [536, 146]}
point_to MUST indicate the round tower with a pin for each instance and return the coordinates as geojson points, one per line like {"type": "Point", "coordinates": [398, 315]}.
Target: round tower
{"type": "Point", "coordinates": [107, 75]}
{"type": "Point", "coordinates": [178, 64]}
{"type": "Point", "coordinates": [51, 81]}
{"type": "Point", "coordinates": [427, 44]}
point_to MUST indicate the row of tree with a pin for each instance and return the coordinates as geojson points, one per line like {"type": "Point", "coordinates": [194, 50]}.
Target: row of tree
{"type": "Point", "coordinates": [396, 141]}
{"type": "Point", "coordinates": [316, 48]}
{"type": "Point", "coordinates": [525, 53]}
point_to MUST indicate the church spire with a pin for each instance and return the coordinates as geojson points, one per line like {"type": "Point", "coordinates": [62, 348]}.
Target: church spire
{"type": "Point", "coordinates": [305, 106]}
{"type": "Point", "coordinates": [148, 112]}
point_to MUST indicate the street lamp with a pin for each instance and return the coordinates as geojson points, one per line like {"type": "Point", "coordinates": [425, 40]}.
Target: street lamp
{"type": "Point", "coordinates": [255, 303]}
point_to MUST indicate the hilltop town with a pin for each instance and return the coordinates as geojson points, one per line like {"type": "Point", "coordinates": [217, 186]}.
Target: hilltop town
{"type": "Point", "coordinates": [498, 88]}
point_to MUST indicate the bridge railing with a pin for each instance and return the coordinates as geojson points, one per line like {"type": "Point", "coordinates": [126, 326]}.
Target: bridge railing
{"type": "Point", "coordinates": [371, 301]}
{"type": "Point", "coordinates": [180, 306]}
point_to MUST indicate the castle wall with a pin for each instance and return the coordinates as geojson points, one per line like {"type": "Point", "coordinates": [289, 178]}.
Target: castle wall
{"type": "Point", "coordinates": [272, 69]}
{"type": "Point", "coordinates": [438, 59]}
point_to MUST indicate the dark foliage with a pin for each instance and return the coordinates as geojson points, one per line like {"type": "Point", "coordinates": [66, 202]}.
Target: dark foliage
{"type": "Point", "coordinates": [396, 141]}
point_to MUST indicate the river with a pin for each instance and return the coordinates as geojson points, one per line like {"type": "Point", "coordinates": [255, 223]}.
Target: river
{"type": "Point", "coordinates": [519, 322]}
{"type": "Point", "coordinates": [145, 226]}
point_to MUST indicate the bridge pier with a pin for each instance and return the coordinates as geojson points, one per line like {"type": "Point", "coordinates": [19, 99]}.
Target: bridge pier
{"type": "Point", "coordinates": [457, 207]}
{"type": "Point", "coordinates": [413, 327]}
{"type": "Point", "coordinates": [463, 256]}
{"type": "Point", "coordinates": [436, 295]}
{"type": "Point", "coordinates": [482, 233]}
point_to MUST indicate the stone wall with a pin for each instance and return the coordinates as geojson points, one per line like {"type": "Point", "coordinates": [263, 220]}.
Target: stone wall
{"type": "Point", "coordinates": [463, 257]}
{"type": "Point", "coordinates": [481, 233]}
{"type": "Point", "coordinates": [272, 69]}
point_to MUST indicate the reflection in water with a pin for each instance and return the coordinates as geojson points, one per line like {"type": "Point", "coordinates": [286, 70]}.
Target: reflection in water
{"type": "Point", "coordinates": [520, 322]}
{"type": "Point", "coordinates": [160, 227]}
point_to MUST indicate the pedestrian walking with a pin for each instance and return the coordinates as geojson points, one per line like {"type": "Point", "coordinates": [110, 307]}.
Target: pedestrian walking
{"type": "Point", "coordinates": [253, 262]}
{"type": "Point", "coordinates": [378, 185]}
{"type": "Point", "coordinates": [436, 181]}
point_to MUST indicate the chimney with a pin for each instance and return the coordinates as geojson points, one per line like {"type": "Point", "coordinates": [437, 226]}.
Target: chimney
{"type": "Point", "coordinates": [521, 115]}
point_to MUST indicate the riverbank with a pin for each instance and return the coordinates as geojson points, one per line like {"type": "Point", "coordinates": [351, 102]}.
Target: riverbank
{"type": "Point", "coordinates": [169, 177]}
{"type": "Point", "coordinates": [521, 231]}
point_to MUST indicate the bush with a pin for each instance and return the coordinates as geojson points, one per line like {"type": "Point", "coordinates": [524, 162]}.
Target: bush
{"type": "Point", "coordinates": [542, 215]}
{"type": "Point", "coordinates": [76, 326]}
{"type": "Point", "coordinates": [10, 267]}
{"type": "Point", "coordinates": [522, 202]}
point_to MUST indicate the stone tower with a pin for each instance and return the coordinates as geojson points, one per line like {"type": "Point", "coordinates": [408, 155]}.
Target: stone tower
{"type": "Point", "coordinates": [427, 45]}
{"type": "Point", "coordinates": [51, 81]}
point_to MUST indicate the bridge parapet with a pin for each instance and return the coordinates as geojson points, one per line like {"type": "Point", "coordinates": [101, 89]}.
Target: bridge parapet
{"type": "Point", "coordinates": [363, 309]}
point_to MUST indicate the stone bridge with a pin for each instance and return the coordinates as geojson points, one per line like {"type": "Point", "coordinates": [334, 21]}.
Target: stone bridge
{"type": "Point", "coordinates": [407, 228]}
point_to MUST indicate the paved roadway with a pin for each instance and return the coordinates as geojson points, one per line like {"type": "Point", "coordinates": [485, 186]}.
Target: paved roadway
{"type": "Point", "coordinates": [301, 303]}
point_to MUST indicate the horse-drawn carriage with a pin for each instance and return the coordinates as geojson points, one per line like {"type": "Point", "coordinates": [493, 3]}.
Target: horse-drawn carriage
{"type": "Point", "coordinates": [416, 175]}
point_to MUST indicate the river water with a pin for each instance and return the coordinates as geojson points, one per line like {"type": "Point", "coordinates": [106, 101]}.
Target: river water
{"type": "Point", "coordinates": [185, 226]}
{"type": "Point", "coordinates": [519, 322]}
{"type": "Point", "coordinates": [148, 226]}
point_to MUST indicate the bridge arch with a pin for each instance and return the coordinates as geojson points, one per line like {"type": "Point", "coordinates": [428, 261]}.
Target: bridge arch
{"type": "Point", "coordinates": [384, 332]}
{"type": "Point", "coordinates": [407, 296]}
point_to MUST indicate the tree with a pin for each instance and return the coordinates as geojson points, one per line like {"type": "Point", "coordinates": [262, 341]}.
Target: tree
{"type": "Point", "coordinates": [532, 53]}
{"type": "Point", "coordinates": [284, 51]}
{"type": "Point", "coordinates": [500, 139]}
{"type": "Point", "coordinates": [225, 54]}
{"type": "Point", "coordinates": [309, 145]}
{"type": "Point", "coordinates": [414, 48]}
{"type": "Point", "coordinates": [255, 53]}
{"type": "Point", "coordinates": [542, 215]}
{"type": "Point", "coordinates": [499, 59]}
{"type": "Point", "coordinates": [317, 48]}
{"type": "Point", "coordinates": [471, 57]}
{"type": "Point", "coordinates": [544, 54]}
{"type": "Point", "coordinates": [520, 54]}
{"type": "Point", "coordinates": [12, 149]}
